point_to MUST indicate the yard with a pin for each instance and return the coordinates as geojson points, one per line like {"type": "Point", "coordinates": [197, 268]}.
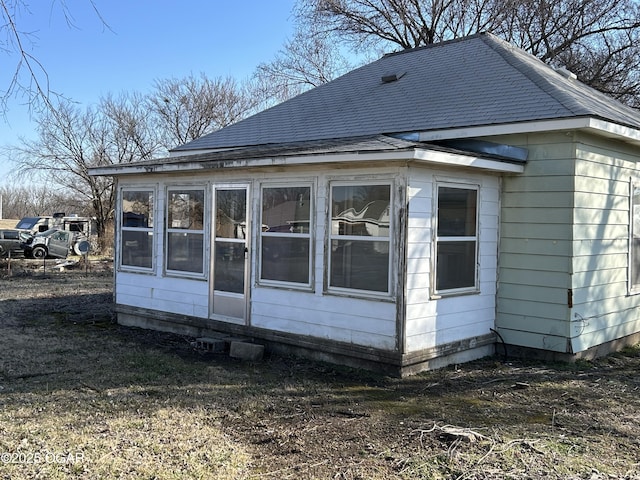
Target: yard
{"type": "Point", "coordinates": [81, 397]}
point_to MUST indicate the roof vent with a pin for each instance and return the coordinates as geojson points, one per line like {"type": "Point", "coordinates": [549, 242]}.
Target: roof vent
{"type": "Point", "coordinates": [394, 77]}
{"type": "Point", "coordinates": [566, 73]}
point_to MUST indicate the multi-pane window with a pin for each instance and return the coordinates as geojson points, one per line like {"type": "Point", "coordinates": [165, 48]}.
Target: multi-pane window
{"type": "Point", "coordinates": [456, 238]}
{"type": "Point", "coordinates": [185, 230]}
{"type": "Point", "coordinates": [359, 237]}
{"type": "Point", "coordinates": [634, 257]}
{"type": "Point", "coordinates": [137, 228]}
{"type": "Point", "coordinates": [285, 241]}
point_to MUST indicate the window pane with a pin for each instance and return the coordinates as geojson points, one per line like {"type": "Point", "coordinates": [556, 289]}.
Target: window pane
{"type": "Point", "coordinates": [137, 248]}
{"type": "Point", "coordinates": [361, 265]}
{"type": "Point", "coordinates": [137, 209]}
{"type": "Point", "coordinates": [285, 259]}
{"type": "Point", "coordinates": [361, 210]}
{"type": "Point", "coordinates": [229, 267]}
{"type": "Point", "coordinates": [186, 209]}
{"type": "Point", "coordinates": [456, 265]}
{"type": "Point", "coordinates": [231, 213]}
{"type": "Point", "coordinates": [635, 240]}
{"type": "Point", "coordinates": [456, 212]}
{"type": "Point", "coordinates": [185, 252]}
{"type": "Point", "coordinates": [286, 210]}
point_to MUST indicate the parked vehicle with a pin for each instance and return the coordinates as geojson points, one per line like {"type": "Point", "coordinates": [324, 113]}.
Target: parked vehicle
{"type": "Point", "coordinates": [35, 225]}
{"type": "Point", "coordinates": [55, 243]}
{"type": "Point", "coordinates": [73, 223]}
{"type": "Point", "coordinates": [82, 229]}
{"type": "Point", "coordinates": [10, 240]}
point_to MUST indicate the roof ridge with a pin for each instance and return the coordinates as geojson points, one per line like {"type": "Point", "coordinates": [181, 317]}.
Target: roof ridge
{"type": "Point", "coordinates": [573, 96]}
{"type": "Point", "coordinates": [443, 43]}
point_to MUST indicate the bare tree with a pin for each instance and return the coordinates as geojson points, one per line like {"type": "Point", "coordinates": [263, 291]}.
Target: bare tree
{"type": "Point", "coordinates": [188, 108]}
{"type": "Point", "coordinates": [123, 129]}
{"type": "Point", "coordinates": [37, 199]}
{"type": "Point", "coordinates": [133, 136]}
{"type": "Point", "coordinates": [599, 40]}
{"type": "Point", "coordinates": [28, 77]}
{"type": "Point", "coordinates": [70, 142]}
{"type": "Point", "coordinates": [307, 60]}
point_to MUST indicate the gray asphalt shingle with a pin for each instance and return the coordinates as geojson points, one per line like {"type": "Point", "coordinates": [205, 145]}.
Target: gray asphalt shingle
{"type": "Point", "coordinates": [475, 81]}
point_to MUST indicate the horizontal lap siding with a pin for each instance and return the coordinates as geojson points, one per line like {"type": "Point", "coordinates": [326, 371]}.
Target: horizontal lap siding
{"type": "Point", "coordinates": [536, 246]}
{"type": "Point", "coordinates": [564, 237]}
{"type": "Point", "coordinates": [435, 322]}
{"type": "Point", "coordinates": [174, 295]}
{"type": "Point", "coordinates": [358, 321]}
{"type": "Point", "coordinates": [602, 309]}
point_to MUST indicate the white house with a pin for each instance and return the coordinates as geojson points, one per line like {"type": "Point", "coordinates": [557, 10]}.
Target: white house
{"type": "Point", "coordinates": [418, 211]}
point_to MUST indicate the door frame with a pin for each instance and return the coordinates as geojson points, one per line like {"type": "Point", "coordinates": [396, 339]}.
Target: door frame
{"type": "Point", "coordinates": [213, 293]}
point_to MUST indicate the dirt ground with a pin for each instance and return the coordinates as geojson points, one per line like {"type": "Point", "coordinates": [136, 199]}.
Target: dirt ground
{"type": "Point", "coordinates": [286, 418]}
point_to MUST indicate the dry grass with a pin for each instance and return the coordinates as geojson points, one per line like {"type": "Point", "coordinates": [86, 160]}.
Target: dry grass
{"type": "Point", "coordinates": [104, 401]}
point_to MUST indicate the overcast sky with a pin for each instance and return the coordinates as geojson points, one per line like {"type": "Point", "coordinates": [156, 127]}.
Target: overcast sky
{"type": "Point", "coordinates": [144, 40]}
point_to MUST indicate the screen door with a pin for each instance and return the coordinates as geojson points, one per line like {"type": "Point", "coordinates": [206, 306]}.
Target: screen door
{"type": "Point", "coordinates": [230, 253]}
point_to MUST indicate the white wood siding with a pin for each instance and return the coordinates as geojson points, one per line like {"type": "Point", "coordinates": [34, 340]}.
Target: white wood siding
{"type": "Point", "coordinates": [174, 295]}
{"type": "Point", "coordinates": [432, 322]}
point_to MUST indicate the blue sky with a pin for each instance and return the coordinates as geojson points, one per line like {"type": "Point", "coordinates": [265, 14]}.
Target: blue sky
{"type": "Point", "coordinates": [146, 40]}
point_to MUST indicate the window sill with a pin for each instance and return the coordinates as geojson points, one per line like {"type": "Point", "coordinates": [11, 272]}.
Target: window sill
{"type": "Point", "coordinates": [459, 293]}
{"type": "Point", "coordinates": [185, 275]}
{"type": "Point", "coordinates": [360, 295]}
{"type": "Point", "coordinates": [296, 287]}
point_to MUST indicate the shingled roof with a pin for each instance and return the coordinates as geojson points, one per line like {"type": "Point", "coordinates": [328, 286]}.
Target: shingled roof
{"type": "Point", "coordinates": [469, 82]}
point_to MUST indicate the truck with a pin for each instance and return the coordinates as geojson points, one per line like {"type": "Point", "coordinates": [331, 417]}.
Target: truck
{"type": "Point", "coordinates": [56, 235]}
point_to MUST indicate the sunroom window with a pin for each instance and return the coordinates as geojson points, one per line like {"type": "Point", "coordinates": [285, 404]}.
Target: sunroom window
{"type": "Point", "coordinates": [359, 237]}
{"type": "Point", "coordinates": [136, 249]}
{"type": "Point", "coordinates": [456, 239]}
{"type": "Point", "coordinates": [285, 239]}
{"type": "Point", "coordinates": [185, 230]}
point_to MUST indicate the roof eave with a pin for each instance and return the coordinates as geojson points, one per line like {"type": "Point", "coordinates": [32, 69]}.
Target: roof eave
{"type": "Point", "coordinates": [421, 155]}
{"type": "Point", "coordinates": [595, 125]}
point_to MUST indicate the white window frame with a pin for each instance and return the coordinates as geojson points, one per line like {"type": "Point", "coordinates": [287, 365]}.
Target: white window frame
{"type": "Point", "coordinates": [436, 293]}
{"type": "Point", "coordinates": [309, 236]}
{"type": "Point", "coordinates": [388, 239]}
{"type": "Point", "coordinates": [633, 289]}
{"type": "Point", "coordinates": [169, 230]}
{"type": "Point", "coordinates": [149, 230]}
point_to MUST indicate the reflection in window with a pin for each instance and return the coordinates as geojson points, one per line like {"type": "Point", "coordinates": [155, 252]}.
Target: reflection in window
{"type": "Point", "coordinates": [285, 247]}
{"type": "Point", "coordinates": [456, 239]}
{"type": "Point", "coordinates": [137, 228]}
{"type": "Point", "coordinates": [360, 223]}
{"type": "Point", "coordinates": [185, 230]}
{"type": "Point", "coordinates": [230, 240]}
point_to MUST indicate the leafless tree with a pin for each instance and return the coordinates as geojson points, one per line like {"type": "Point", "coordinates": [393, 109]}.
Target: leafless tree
{"type": "Point", "coordinates": [37, 199]}
{"type": "Point", "coordinates": [188, 108]}
{"type": "Point", "coordinates": [599, 40]}
{"type": "Point", "coordinates": [308, 60]}
{"type": "Point", "coordinates": [26, 76]}
{"type": "Point", "coordinates": [70, 141]}
{"type": "Point", "coordinates": [123, 129]}
{"type": "Point", "coordinates": [133, 135]}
